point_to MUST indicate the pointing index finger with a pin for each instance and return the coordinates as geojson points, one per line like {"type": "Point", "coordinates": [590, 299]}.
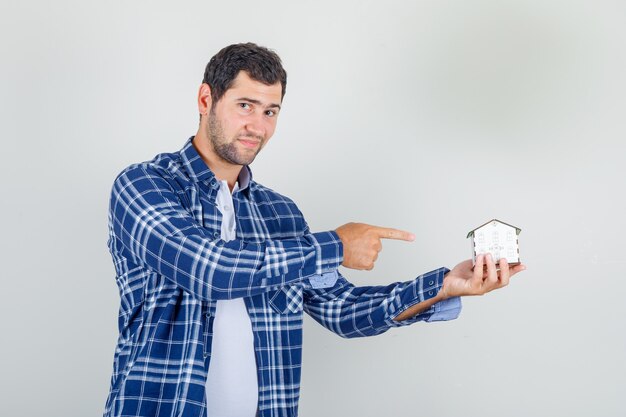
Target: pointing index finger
{"type": "Point", "coordinates": [396, 234]}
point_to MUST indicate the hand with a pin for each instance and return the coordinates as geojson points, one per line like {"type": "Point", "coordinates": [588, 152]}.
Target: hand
{"type": "Point", "coordinates": [465, 280]}
{"type": "Point", "coordinates": [362, 243]}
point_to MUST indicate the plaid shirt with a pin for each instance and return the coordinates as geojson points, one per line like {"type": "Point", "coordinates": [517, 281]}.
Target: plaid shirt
{"type": "Point", "coordinates": [171, 267]}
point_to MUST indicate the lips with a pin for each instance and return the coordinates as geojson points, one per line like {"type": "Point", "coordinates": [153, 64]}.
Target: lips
{"type": "Point", "coordinates": [249, 143]}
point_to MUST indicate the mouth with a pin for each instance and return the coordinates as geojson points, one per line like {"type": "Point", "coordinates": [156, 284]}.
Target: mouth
{"type": "Point", "coordinates": [249, 143]}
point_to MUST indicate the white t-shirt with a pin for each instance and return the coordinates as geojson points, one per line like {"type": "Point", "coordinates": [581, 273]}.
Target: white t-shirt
{"type": "Point", "coordinates": [232, 384]}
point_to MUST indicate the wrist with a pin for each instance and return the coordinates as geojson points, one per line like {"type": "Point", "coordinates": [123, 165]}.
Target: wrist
{"type": "Point", "coordinates": [443, 293]}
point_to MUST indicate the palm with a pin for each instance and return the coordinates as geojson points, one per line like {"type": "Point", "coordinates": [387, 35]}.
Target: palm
{"type": "Point", "coordinates": [465, 279]}
{"type": "Point", "coordinates": [459, 280]}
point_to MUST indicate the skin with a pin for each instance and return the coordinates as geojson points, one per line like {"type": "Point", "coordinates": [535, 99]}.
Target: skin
{"type": "Point", "coordinates": [233, 131]}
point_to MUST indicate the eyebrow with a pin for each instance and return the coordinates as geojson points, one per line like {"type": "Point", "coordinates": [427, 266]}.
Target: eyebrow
{"type": "Point", "coordinates": [253, 101]}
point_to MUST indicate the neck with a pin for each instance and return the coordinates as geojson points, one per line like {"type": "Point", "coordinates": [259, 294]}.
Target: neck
{"type": "Point", "coordinates": [222, 169]}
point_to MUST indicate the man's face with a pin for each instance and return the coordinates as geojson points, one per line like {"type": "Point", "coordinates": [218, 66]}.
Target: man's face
{"type": "Point", "coordinates": [244, 119]}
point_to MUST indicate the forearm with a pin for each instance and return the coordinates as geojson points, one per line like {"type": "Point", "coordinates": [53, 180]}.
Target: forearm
{"type": "Point", "coordinates": [437, 304]}
{"type": "Point", "coordinates": [353, 311]}
{"type": "Point", "coordinates": [419, 308]}
{"type": "Point", "coordinates": [224, 270]}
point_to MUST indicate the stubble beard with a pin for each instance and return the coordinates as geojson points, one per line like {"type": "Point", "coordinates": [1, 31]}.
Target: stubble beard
{"type": "Point", "coordinates": [227, 150]}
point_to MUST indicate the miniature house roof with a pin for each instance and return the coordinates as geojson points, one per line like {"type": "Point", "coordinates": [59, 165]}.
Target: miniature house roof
{"type": "Point", "coordinates": [517, 229]}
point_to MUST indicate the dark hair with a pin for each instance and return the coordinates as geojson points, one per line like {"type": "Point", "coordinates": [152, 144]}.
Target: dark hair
{"type": "Point", "coordinates": [260, 63]}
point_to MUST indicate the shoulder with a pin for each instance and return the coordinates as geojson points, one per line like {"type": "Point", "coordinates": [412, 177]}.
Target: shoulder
{"type": "Point", "coordinates": [164, 168]}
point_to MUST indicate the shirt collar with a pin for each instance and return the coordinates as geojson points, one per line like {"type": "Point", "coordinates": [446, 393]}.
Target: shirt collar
{"type": "Point", "coordinates": [245, 176]}
{"type": "Point", "coordinates": [198, 170]}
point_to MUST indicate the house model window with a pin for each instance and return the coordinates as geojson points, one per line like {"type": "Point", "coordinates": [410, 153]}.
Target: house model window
{"type": "Point", "coordinates": [497, 238]}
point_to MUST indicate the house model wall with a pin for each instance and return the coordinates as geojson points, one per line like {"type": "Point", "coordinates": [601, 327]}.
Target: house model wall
{"type": "Point", "coordinates": [498, 238]}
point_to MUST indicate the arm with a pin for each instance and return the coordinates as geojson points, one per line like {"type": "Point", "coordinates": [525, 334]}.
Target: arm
{"type": "Point", "coordinates": [351, 311]}
{"type": "Point", "coordinates": [152, 228]}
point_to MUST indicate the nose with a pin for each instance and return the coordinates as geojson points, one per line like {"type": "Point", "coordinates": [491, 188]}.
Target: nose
{"type": "Point", "coordinates": [255, 125]}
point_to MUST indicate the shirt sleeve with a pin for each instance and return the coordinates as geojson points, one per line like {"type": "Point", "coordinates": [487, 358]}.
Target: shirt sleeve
{"type": "Point", "coordinates": [150, 226]}
{"type": "Point", "coordinates": [351, 311]}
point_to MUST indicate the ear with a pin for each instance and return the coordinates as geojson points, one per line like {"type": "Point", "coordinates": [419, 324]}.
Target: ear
{"type": "Point", "coordinates": [204, 99]}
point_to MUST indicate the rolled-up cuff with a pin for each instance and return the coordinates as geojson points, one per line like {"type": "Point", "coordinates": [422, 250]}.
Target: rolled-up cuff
{"type": "Point", "coordinates": [329, 251]}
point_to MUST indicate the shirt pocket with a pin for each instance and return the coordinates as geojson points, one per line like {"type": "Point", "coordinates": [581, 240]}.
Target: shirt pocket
{"type": "Point", "coordinates": [287, 300]}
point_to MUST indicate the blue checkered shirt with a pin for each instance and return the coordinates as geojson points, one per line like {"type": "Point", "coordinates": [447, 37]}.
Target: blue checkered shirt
{"type": "Point", "coordinates": [171, 266]}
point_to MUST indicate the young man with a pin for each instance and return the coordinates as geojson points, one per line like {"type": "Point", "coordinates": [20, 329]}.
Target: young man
{"type": "Point", "coordinates": [215, 270]}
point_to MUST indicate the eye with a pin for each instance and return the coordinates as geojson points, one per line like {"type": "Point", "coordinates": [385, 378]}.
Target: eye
{"type": "Point", "coordinates": [270, 113]}
{"type": "Point", "coordinates": [245, 106]}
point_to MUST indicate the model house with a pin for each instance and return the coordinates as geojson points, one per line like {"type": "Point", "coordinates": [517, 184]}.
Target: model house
{"type": "Point", "coordinates": [498, 238]}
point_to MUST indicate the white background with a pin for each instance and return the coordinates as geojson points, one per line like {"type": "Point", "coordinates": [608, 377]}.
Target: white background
{"type": "Point", "coordinates": [431, 116]}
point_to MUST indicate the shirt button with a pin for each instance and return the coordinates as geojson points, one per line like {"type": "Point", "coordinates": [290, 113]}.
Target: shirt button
{"type": "Point", "coordinates": [216, 235]}
{"type": "Point", "coordinates": [431, 282]}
